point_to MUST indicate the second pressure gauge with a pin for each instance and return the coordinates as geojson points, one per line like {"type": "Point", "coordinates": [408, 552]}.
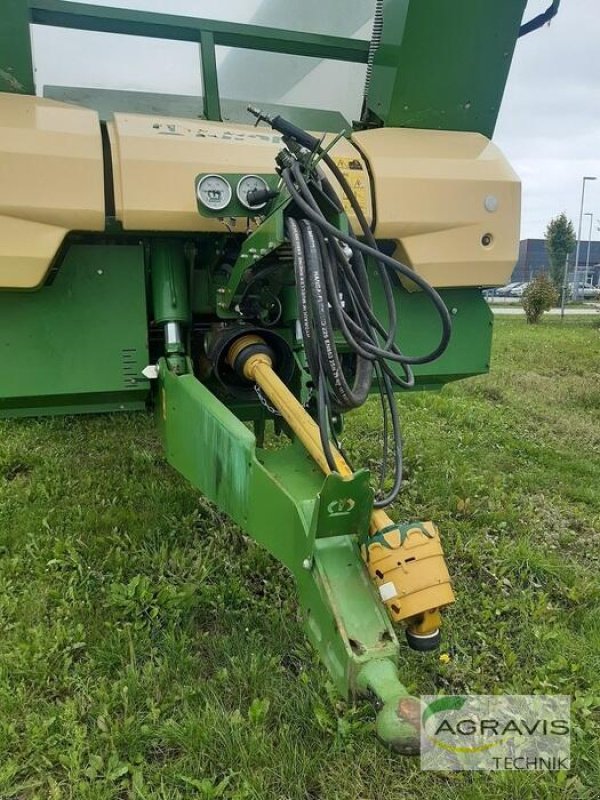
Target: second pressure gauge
{"type": "Point", "coordinates": [247, 184]}
{"type": "Point", "coordinates": [214, 192]}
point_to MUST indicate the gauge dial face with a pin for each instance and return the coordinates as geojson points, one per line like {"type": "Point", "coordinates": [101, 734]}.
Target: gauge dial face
{"type": "Point", "coordinates": [247, 184]}
{"type": "Point", "coordinates": [214, 192]}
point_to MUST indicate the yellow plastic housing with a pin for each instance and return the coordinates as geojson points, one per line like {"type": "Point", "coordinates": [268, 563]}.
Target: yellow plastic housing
{"type": "Point", "coordinates": [410, 572]}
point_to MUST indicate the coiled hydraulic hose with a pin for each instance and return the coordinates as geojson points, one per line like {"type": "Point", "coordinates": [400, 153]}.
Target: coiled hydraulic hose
{"type": "Point", "coordinates": [334, 298]}
{"type": "Point", "coordinates": [541, 19]}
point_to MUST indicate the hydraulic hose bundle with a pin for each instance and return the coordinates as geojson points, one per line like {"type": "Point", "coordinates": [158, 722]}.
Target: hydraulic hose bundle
{"type": "Point", "coordinates": [334, 298]}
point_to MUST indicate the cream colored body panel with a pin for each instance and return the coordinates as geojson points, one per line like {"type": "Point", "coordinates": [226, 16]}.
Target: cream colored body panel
{"type": "Point", "coordinates": [431, 193]}
{"type": "Point", "coordinates": [26, 251]}
{"type": "Point", "coordinates": [157, 159]}
{"type": "Point", "coordinates": [51, 182]}
{"type": "Point", "coordinates": [437, 194]}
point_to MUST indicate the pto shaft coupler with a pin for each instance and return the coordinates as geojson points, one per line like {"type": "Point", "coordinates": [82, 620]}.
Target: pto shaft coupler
{"type": "Point", "coordinates": [406, 562]}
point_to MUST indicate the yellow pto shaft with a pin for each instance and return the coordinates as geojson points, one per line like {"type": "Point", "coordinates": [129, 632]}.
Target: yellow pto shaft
{"type": "Point", "coordinates": [406, 562]}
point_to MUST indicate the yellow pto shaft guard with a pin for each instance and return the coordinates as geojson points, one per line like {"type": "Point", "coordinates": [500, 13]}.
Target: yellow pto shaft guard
{"type": "Point", "coordinates": [406, 562]}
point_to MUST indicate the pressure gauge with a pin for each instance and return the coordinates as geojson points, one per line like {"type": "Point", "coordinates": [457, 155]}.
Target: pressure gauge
{"type": "Point", "coordinates": [251, 183]}
{"type": "Point", "coordinates": [214, 192]}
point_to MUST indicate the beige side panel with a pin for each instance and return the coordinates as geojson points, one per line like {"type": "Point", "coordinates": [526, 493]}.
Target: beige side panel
{"type": "Point", "coordinates": [26, 252]}
{"type": "Point", "coordinates": [51, 164]}
{"type": "Point", "coordinates": [157, 159]}
{"type": "Point", "coordinates": [439, 195]}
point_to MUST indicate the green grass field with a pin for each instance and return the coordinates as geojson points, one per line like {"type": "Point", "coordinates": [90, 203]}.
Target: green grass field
{"type": "Point", "coordinates": [149, 650]}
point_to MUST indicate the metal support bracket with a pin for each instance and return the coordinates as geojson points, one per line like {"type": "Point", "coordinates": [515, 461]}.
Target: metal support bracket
{"type": "Point", "coordinates": [308, 522]}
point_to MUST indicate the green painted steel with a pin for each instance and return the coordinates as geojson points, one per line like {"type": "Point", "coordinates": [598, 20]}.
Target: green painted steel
{"type": "Point", "coordinates": [78, 299]}
{"type": "Point", "coordinates": [80, 343]}
{"type": "Point", "coordinates": [262, 242]}
{"type": "Point", "coordinates": [170, 281]}
{"type": "Point", "coordinates": [107, 102]}
{"type": "Point", "coordinates": [189, 29]}
{"type": "Point", "coordinates": [308, 522]}
{"type": "Point", "coordinates": [216, 452]}
{"type": "Point", "coordinates": [439, 65]}
{"type": "Point", "coordinates": [399, 730]}
{"type": "Point", "coordinates": [470, 346]}
{"type": "Point", "coordinates": [16, 68]}
{"type": "Point", "coordinates": [210, 81]}
{"type": "Point", "coordinates": [444, 65]}
{"type": "Point", "coordinates": [343, 616]}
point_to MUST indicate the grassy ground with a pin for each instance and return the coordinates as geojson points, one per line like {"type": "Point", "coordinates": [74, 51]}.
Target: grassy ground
{"type": "Point", "coordinates": [148, 650]}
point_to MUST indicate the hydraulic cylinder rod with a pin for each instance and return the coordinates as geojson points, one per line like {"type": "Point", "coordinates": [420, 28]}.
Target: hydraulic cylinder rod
{"type": "Point", "coordinates": [170, 298]}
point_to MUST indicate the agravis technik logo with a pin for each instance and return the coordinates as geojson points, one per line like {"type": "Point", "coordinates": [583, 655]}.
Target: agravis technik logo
{"type": "Point", "coordinates": [495, 732]}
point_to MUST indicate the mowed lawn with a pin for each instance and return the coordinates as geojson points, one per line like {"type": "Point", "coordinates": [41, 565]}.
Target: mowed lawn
{"type": "Point", "coordinates": [149, 650]}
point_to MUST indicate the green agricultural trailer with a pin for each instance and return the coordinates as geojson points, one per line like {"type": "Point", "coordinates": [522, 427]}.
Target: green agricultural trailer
{"type": "Point", "coordinates": [247, 268]}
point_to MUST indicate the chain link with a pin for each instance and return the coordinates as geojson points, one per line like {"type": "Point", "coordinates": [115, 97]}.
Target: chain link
{"type": "Point", "coordinates": [263, 400]}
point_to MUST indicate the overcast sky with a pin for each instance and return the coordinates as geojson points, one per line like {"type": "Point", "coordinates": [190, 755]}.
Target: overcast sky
{"type": "Point", "coordinates": [549, 126]}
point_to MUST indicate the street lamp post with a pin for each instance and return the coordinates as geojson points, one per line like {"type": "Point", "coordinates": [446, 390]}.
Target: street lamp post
{"type": "Point", "coordinates": [563, 294]}
{"type": "Point", "coordinates": [589, 248]}
{"type": "Point", "coordinates": [576, 275]}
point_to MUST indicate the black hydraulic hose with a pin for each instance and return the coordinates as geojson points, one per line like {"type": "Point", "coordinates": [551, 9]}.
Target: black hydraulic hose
{"type": "Point", "coordinates": [396, 266]}
{"type": "Point", "coordinates": [316, 282]}
{"type": "Point", "coordinates": [346, 397]}
{"type": "Point", "coordinates": [323, 416]}
{"type": "Point", "coordinates": [360, 292]}
{"type": "Point", "coordinates": [541, 20]}
{"type": "Point", "coordinates": [334, 298]}
{"type": "Point", "coordinates": [382, 502]}
{"type": "Point", "coordinates": [306, 326]}
{"type": "Point", "coordinates": [368, 234]}
{"type": "Point", "coordinates": [359, 265]}
{"type": "Point", "coordinates": [319, 291]}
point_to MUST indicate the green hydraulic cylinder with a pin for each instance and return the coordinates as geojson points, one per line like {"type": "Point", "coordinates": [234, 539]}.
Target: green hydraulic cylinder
{"type": "Point", "coordinates": [171, 297]}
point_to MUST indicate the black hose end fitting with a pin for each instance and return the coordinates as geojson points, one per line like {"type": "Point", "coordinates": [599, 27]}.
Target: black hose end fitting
{"type": "Point", "coordinates": [286, 128]}
{"type": "Point", "coordinates": [258, 198]}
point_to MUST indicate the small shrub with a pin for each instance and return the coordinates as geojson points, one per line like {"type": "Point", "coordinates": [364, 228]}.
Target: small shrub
{"type": "Point", "coordinates": [538, 297]}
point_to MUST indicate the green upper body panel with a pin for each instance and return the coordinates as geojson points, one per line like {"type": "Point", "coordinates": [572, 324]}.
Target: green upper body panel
{"type": "Point", "coordinates": [444, 65]}
{"type": "Point", "coordinates": [439, 65]}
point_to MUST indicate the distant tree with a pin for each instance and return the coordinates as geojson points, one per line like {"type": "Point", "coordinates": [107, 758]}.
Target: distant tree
{"type": "Point", "coordinates": [560, 243]}
{"type": "Point", "coordinates": [539, 296]}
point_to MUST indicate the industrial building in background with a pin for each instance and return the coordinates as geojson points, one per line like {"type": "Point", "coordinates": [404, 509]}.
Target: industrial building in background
{"type": "Point", "coordinates": [533, 261]}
